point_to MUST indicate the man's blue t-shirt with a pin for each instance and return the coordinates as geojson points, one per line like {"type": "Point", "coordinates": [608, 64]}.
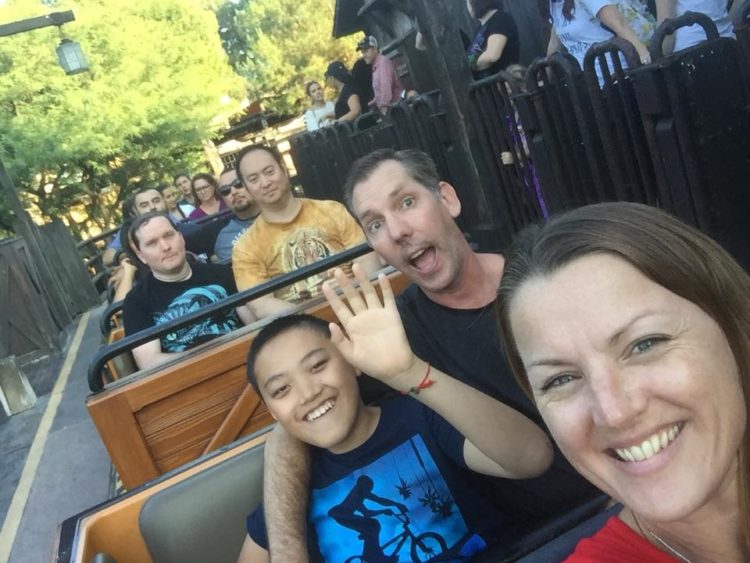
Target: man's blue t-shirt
{"type": "Point", "coordinates": [402, 495]}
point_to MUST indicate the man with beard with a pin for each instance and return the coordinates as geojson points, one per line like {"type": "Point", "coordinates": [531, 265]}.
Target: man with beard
{"type": "Point", "coordinates": [244, 208]}
{"type": "Point", "coordinates": [174, 288]}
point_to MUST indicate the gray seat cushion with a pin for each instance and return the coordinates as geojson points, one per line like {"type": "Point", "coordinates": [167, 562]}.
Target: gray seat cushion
{"type": "Point", "coordinates": [203, 517]}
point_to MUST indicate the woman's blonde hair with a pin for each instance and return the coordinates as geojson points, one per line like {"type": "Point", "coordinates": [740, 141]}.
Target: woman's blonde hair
{"type": "Point", "coordinates": [669, 252]}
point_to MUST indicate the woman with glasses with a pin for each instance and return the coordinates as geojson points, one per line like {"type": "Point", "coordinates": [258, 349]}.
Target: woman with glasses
{"type": "Point", "coordinates": [206, 196]}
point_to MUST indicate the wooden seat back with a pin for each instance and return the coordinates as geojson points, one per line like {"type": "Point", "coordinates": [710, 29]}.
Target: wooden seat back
{"type": "Point", "coordinates": [158, 420]}
{"type": "Point", "coordinates": [124, 364]}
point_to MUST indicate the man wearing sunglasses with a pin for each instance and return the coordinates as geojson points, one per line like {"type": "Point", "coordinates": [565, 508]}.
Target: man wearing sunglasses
{"type": "Point", "coordinates": [238, 199]}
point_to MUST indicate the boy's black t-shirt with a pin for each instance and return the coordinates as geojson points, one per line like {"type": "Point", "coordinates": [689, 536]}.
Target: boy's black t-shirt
{"type": "Point", "coordinates": [153, 302]}
{"type": "Point", "coordinates": [408, 482]}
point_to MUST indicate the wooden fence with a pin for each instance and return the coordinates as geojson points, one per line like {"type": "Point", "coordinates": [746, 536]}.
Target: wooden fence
{"type": "Point", "coordinates": [27, 327]}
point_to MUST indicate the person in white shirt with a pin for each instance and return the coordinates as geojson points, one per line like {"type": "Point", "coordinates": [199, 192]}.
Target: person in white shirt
{"type": "Point", "coordinates": [717, 10]}
{"type": "Point", "coordinates": [578, 24]}
{"type": "Point", "coordinates": [321, 112]}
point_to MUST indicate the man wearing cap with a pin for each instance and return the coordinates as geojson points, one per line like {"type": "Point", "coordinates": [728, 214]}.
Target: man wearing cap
{"type": "Point", "coordinates": [385, 81]}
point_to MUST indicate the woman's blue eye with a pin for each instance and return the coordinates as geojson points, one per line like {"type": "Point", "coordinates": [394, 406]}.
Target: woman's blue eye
{"type": "Point", "coordinates": [643, 346]}
{"type": "Point", "coordinates": [557, 381]}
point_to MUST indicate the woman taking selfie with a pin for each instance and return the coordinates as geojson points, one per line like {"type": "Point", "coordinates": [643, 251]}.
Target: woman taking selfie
{"type": "Point", "coordinates": [631, 332]}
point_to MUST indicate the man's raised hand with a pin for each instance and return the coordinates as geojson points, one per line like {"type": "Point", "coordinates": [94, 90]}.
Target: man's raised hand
{"type": "Point", "coordinates": [375, 341]}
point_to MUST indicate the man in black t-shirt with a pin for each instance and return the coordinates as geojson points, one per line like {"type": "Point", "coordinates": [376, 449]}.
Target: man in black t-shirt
{"type": "Point", "coordinates": [174, 288]}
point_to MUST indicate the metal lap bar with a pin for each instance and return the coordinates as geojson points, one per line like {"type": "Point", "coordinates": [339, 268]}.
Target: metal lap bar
{"type": "Point", "coordinates": [108, 352]}
{"type": "Point", "coordinates": [105, 321]}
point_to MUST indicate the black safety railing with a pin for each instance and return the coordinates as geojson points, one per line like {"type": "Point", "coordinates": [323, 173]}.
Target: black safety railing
{"type": "Point", "coordinates": [673, 133]}
{"type": "Point", "coordinates": [106, 321]}
{"type": "Point", "coordinates": [623, 139]}
{"type": "Point", "coordinates": [504, 151]}
{"type": "Point", "coordinates": [106, 353]}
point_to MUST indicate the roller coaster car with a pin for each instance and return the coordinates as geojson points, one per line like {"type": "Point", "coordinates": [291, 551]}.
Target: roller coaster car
{"type": "Point", "coordinates": [197, 515]}
{"type": "Point", "coordinates": [157, 420]}
{"type": "Point", "coordinates": [171, 434]}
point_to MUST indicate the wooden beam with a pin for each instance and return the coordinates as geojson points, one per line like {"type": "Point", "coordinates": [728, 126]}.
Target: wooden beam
{"type": "Point", "coordinates": [438, 23]}
{"type": "Point", "coordinates": [235, 420]}
{"type": "Point", "coordinates": [30, 24]}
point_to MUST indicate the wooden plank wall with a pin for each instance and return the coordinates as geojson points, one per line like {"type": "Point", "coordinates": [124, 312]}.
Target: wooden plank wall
{"type": "Point", "coordinates": [26, 324]}
{"type": "Point", "coordinates": [64, 258]}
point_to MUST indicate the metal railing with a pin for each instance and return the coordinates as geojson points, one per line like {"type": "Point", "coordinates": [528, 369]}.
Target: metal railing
{"type": "Point", "coordinates": [127, 344]}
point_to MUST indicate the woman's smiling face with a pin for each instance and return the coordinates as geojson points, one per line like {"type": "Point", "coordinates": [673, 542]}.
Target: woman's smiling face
{"type": "Point", "coordinates": [638, 386]}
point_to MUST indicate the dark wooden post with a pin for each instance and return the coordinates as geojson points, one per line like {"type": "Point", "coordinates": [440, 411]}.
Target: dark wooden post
{"type": "Point", "coordinates": [438, 23]}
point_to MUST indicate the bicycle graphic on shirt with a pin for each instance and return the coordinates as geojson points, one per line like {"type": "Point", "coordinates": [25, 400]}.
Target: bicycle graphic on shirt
{"type": "Point", "coordinates": [424, 547]}
{"type": "Point", "coordinates": [353, 513]}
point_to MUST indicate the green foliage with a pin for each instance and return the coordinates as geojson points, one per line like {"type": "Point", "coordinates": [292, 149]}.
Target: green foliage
{"type": "Point", "coordinates": [278, 45]}
{"type": "Point", "coordinates": [157, 80]}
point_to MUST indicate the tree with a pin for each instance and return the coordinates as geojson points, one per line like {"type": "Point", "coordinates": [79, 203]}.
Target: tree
{"type": "Point", "coordinates": [278, 45]}
{"type": "Point", "coordinates": [159, 78]}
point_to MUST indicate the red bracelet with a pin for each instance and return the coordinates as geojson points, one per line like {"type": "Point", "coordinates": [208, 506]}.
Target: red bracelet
{"type": "Point", "coordinates": [424, 384]}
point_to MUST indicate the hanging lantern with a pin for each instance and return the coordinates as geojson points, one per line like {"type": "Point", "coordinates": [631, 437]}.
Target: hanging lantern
{"type": "Point", "coordinates": [70, 56]}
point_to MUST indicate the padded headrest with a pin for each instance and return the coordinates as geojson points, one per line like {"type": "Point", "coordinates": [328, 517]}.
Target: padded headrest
{"type": "Point", "coordinates": [203, 517]}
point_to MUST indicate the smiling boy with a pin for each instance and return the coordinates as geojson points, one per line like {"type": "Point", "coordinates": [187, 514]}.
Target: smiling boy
{"type": "Point", "coordinates": [388, 483]}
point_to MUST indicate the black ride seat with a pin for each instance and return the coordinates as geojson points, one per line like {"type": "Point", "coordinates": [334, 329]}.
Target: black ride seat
{"type": "Point", "coordinates": [557, 538]}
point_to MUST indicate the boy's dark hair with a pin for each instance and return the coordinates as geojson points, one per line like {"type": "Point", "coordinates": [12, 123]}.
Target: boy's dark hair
{"type": "Point", "coordinates": [276, 328]}
{"type": "Point", "coordinates": [273, 151]}
{"type": "Point", "coordinates": [180, 175]}
{"type": "Point", "coordinates": [141, 220]}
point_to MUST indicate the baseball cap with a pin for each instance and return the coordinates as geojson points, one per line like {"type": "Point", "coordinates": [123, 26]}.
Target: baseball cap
{"type": "Point", "coordinates": [367, 42]}
{"type": "Point", "coordinates": [338, 70]}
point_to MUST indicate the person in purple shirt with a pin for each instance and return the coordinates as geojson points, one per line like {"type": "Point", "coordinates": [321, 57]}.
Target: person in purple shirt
{"type": "Point", "coordinates": [385, 81]}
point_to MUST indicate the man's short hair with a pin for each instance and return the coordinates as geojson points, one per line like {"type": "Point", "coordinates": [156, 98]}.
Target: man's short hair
{"type": "Point", "coordinates": [273, 151]}
{"type": "Point", "coordinates": [141, 220]}
{"type": "Point", "coordinates": [418, 165]}
{"type": "Point", "coordinates": [180, 175]}
{"type": "Point", "coordinates": [276, 328]}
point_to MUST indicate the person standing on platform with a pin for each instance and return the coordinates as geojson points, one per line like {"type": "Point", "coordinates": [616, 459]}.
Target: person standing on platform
{"type": "Point", "coordinates": [385, 81]}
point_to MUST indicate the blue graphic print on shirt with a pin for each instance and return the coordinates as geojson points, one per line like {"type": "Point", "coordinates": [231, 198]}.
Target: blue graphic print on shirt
{"type": "Point", "coordinates": [373, 510]}
{"type": "Point", "coordinates": [189, 302]}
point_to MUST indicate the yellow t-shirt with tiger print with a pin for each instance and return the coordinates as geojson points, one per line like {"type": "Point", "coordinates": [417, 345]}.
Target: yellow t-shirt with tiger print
{"type": "Point", "coordinates": [266, 250]}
